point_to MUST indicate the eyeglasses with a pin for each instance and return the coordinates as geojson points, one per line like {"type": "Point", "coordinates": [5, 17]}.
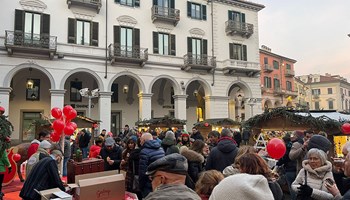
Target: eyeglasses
{"type": "Point", "coordinates": [151, 178]}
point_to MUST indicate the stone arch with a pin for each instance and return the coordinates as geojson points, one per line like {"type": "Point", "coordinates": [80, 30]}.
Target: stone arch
{"type": "Point", "coordinates": [12, 72]}
{"type": "Point", "coordinates": [138, 80]}
{"type": "Point", "coordinates": [204, 83]}
{"type": "Point", "coordinates": [268, 103]}
{"type": "Point", "coordinates": [174, 83]}
{"type": "Point", "coordinates": [94, 74]}
{"type": "Point", "coordinates": [243, 85]}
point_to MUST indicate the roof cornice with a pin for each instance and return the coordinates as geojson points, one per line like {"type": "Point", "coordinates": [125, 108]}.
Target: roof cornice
{"type": "Point", "coordinates": [276, 55]}
{"type": "Point", "coordinates": [243, 4]}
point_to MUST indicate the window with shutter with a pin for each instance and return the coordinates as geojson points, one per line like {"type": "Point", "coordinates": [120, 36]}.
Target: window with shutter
{"type": "Point", "coordinates": [238, 51]}
{"type": "Point", "coordinates": [172, 45]}
{"type": "Point", "coordinates": [196, 11]}
{"type": "Point", "coordinates": [131, 3]}
{"type": "Point", "coordinates": [82, 32]}
{"type": "Point", "coordinates": [155, 43]}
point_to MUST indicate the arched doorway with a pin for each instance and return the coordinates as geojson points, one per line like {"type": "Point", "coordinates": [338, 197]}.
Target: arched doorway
{"type": "Point", "coordinates": [195, 103]}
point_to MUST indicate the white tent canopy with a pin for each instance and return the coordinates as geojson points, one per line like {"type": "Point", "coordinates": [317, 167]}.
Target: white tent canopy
{"type": "Point", "coordinates": [333, 115]}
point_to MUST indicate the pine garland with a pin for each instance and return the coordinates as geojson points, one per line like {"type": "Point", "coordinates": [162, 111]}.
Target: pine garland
{"type": "Point", "coordinates": [163, 120]}
{"type": "Point", "coordinates": [318, 123]}
{"type": "Point", "coordinates": [6, 129]}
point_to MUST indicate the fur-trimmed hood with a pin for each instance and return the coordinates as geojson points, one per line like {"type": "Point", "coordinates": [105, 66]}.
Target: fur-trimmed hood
{"type": "Point", "coordinates": [192, 156]}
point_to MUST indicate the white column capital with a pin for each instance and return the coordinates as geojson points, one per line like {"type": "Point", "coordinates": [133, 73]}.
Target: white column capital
{"type": "Point", "coordinates": [145, 95]}
{"type": "Point", "coordinates": [105, 94]}
{"type": "Point", "coordinates": [180, 96]}
{"type": "Point", "coordinates": [57, 92]}
{"type": "Point", "coordinates": [5, 90]}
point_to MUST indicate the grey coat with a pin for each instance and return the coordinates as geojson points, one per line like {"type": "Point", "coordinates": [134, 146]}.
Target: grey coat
{"type": "Point", "coordinates": [173, 192]}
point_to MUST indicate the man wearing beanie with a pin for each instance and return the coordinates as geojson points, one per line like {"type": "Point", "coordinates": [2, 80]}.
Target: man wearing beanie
{"type": "Point", "coordinates": [319, 142]}
{"type": "Point", "coordinates": [169, 142]}
{"type": "Point", "coordinates": [168, 175]}
{"type": "Point", "coordinates": [242, 186]}
{"type": "Point", "coordinates": [224, 153]}
{"type": "Point", "coordinates": [43, 176]}
{"type": "Point", "coordinates": [42, 152]}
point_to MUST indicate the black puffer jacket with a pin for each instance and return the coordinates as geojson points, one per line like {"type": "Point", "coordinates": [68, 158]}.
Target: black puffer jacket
{"type": "Point", "coordinates": [195, 161]}
{"type": "Point", "coordinates": [169, 146]}
{"type": "Point", "coordinates": [222, 155]}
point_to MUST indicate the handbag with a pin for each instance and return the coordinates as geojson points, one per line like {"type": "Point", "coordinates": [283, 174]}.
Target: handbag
{"type": "Point", "coordinates": [300, 196]}
{"type": "Point", "coordinates": [135, 181]}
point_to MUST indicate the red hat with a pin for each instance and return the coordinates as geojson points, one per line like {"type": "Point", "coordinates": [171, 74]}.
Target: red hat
{"type": "Point", "coordinates": [185, 135]}
{"type": "Point", "coordinates": [2, 109]}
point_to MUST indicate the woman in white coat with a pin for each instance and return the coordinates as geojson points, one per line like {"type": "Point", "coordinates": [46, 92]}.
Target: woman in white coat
{"type": "Point", "coordinates": [309, 184]}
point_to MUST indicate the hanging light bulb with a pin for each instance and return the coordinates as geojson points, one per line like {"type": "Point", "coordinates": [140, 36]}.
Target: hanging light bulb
{"type": "Point", "coordinates": [125, 89]}
{"type": "Point", "coordinates": [30, 82]}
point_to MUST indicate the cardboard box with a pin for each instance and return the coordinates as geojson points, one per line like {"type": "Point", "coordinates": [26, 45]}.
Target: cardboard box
{"type": "Point", "coordinates": [106, 185]}
{"type": "Point", "coordinates": [55, 194]}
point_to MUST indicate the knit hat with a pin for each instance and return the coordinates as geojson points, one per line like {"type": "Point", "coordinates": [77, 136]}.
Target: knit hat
{"type": "Point", "coordinates": [319, 142]}
{"type": "Point", "coordinates": [134, 138]}
{"type": "Point", "coordinates": [45, 144]}
{"type": "Point", "coordinates": [185, 134]}
{"type": "Point", "coordinates": [242, 186]}
{"type": "Point", "coordinates": [109, 141]}
{"type": "Point", "coordinates": [170, 135]}
{"type": "Point", "coordinates": [57, 152]}
{"type": "Point", "coordinates": [172, 163]}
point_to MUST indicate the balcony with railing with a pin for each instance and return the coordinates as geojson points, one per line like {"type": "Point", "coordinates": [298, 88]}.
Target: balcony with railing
{"type": "Point", "coordinates": [127, 54]}
{"type": "Point", "coordinates": [199, 62]}
{"type": "Point", "coordinates": [278, 91]}
{"type": "Point", "coordinates": [289, 73]}
{"type": "Point", "coordinates": [92, 4]}
{"type": "Point", "coordinates": [241, 67]}
{"type": "Point", "coordinates": [291, 93]}
{"type": "Point", "coordinates": [267, 68]}
{"type": "Point", "coordinates": [30, 43]}
{"type": "Point", "coordinates": [239, 28]}
{"type": "Point", "coordinates": [164, 14]}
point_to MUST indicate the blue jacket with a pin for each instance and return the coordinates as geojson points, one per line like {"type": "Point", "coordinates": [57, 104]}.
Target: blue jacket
{"type": "Point", "coordinates": [222, 155]}
{"type": "Point", "coordinates": [150, 152]}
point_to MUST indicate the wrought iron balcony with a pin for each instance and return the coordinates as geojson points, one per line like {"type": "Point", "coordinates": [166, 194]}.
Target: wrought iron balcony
{"type": "Point", "coordinates": [199, 62]}
{"type": "Point", "coordinates": [289, 73]}
{"type": "Point", "coordinates": [30, 43]}
{"type": "Point", "coordinates": [291, 93]}
{"type": "Point", "coordinates": [93, 4]}
{"type": "Point", "coordinates": [241, 67]}
{"type": "Point", "coordinates": [239, 28]}
{"type": "Point", "coordinates": [268, 68]}
{"type": "Point", "coordinates": [121, 53]}
{"type": "Point", "coordinates": [165, 14]}
{"type": "Point", "coordinates": [278, 91]}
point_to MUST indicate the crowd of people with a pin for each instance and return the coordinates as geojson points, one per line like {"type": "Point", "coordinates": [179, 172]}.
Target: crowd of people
{"type": "Point", "coordinates": [182, 165]}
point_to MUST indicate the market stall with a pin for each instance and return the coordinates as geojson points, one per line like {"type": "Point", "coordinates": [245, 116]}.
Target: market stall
{"type": "Point", "coordinates": [161, 124]}
{"type": "Point", "coordinates": [217, 124]}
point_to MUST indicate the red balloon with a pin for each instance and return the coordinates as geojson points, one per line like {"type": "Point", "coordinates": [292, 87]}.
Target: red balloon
{"type": "Point", "coordinates": [56, 112]}
{"type": "Point", "coordinates": [16, 157]}
{"type": "Point", "coordinates": [58, 125]}
{"type": "Point", "coordinates": [345, 128]}
{"type": "Point", "coordinates": [71, 114]}
{"type": "Point", "coordinates": [67, 109]}
{"type": "Point", "coordinates": [73, 124]}
{"type": "Point", "coordinates": [68, 130]}
{"type": "Point", "coordinates": [94, 125]}
{"type": "Point", "coordinates": [276, 148]}
{"type": "Point", "coordinates": [55, 137]}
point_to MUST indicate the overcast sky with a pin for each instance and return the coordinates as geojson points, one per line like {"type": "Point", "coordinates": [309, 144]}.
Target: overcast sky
{"type": "Point", "coordinates": [313, 32]}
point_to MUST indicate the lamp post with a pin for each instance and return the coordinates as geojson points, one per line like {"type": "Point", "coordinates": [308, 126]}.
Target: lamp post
{"type": "Point", "coordinates": [85, 92]}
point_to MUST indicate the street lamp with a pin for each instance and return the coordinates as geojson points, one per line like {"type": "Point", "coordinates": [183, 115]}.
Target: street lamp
{"type": "Point", "coordinates": [85, 92]}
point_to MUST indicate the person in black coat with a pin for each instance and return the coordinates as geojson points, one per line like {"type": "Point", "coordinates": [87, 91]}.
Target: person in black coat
{"type": "Point", "coordinates": [150, 152]}
{"type": "Point", "coordinates": [84, 140]}
{"type": "Point", "coordinates": [43, 176]}
{"type": "Point", "coordinates": [111, 154]}
{"type": "Point", "coordinates": [169, 143]}
{"type": "Point", "coordinates": [133, 171]}
{"type": "Point", "coordinates": [195, 159]}
{"type": "Point", "coordinates": [223, 154]}
{"type": "Point", "coordinates": [196, 135]}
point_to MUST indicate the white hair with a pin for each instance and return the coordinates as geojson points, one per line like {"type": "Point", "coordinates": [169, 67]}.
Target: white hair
{"type": "Point", "coordinates": [319, 153]}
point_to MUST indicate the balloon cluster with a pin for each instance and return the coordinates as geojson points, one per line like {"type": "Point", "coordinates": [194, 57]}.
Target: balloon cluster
{"type": "Point", "coordinates": [63, 123]}
{"type": "Point", "coordinates": [345, 128]}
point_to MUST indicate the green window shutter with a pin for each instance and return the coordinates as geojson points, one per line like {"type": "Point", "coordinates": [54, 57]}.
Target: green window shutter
{"type": "Point", "coordinates": [117, 35]}
{"type": "Point", "coordinates": [45, 24]}
{"type": "Point", "coordinates": [204, 12]}
{"type": "Point", "coordinates": [137, 3]}
{"type": "Point", "coordinates": [136, 38]}
{"type": "Point", "coordinates": [172, 3]}
{"type": "Point", "coordinates": [243, 17]}
{"type": "Point", "coordinates": [189, 9]}
{"type": "Point", "coordinates": [117, 1]}
{"type": "Point", "coordinates": [155, 43]}
{"type": "Point", "coordinates": [244, 52]}
{"type": "Point", "coordinates": [71, 30]}
{"type": "Point", "coordinates": [189, 45]}
{"type": "Point", "coordinates": [172, 45]}
{"type": "Point", "coordinates": [231, 50]}
{"type": "Point", "coordinates": [230, 15]}
{"type": "Point", "coordinates": [19, 20]}
{"type": "Point", "coordinates": [155, 2]}
{"type": "Point", "coordinates": [94, 34]}
{"type": "Point", "coordinates": [205, 47]}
